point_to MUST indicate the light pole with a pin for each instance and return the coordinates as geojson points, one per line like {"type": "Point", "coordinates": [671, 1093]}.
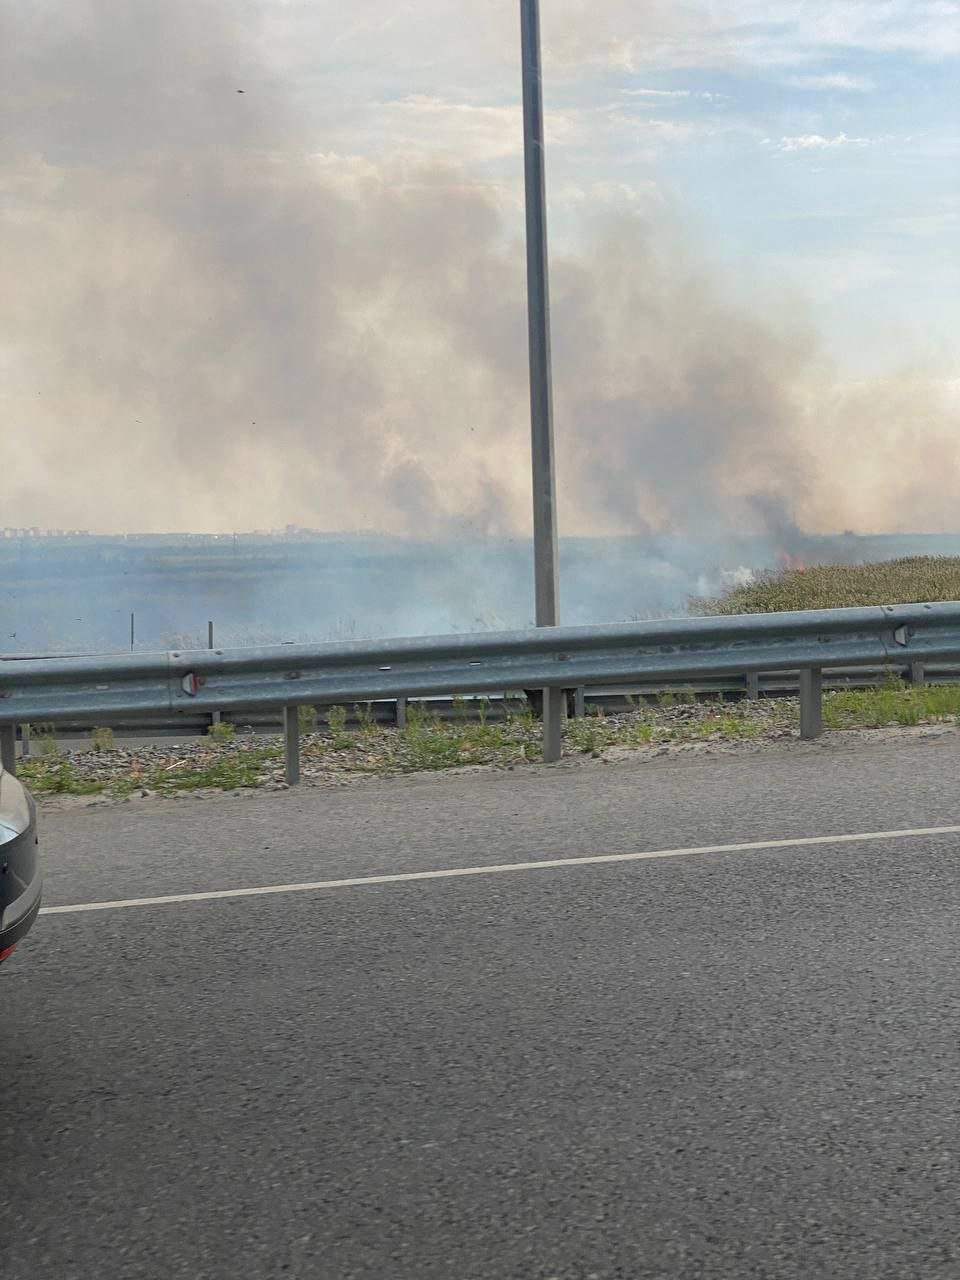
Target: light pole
{"type": "Point", "coordinates": [546, 570]}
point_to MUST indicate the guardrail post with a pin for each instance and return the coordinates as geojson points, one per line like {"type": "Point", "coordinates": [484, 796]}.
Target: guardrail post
{"type": "Point", "coordinates": [24, 741]}
{"type": "Point", "coordinates": [291, 744]}
{"type": "Point", "coordinates": [918, 676]}
{"type": "Point", "coordinates": [553, 700]}
{"type": "Point", "coordinates": [753, 686]}
{"type": "Point", "coordinates": [580, 703]}
{"type": "Point", "coordinates": [8, 747]}
{"type": "Point", "coordinates": [217, 716]}
{"type": "Point", "coordinates": [811, 703]}
{"type": "Point", "coordinates": [401, 713]}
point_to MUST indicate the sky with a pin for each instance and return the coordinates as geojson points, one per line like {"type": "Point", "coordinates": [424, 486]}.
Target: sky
{"type": "Point", "coordinates": [261, 263]}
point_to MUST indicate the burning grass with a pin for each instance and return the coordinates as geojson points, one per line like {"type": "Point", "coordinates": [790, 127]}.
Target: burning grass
{"type": "Point", "coordinates": [838, 586]}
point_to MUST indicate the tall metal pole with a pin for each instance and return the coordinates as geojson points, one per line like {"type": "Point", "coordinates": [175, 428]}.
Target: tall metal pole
{"type": "Point", "coordinates": [546, 568]}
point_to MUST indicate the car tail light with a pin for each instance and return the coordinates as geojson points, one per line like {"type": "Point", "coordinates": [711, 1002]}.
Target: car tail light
{"type": "Point", "coordinates": [8, 952]}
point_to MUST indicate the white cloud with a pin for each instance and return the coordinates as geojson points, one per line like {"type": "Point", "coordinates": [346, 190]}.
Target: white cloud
{"type": "Point", "coordinates": [657, 93]}
{"type": "Point", "coordinates": [816, 142]}
{"type": "Point", "coordinates": [792, 32]}
{"type": "Point", "coordinates": [654, 96]}
{"type": "Point", "coordinates": [836, 81]}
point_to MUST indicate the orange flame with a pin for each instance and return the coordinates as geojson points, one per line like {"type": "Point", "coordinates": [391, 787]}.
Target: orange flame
{"type": "Point", "coordinates": [787, 560]}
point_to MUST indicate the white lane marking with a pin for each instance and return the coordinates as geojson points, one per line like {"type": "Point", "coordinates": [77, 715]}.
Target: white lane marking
{"type": "Point", "coordinates": [551, 864]}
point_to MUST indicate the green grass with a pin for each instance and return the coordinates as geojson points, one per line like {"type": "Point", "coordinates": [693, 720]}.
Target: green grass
{"type": "Point", "coordinates": [429, 744]}
{"type": "Point", "coordinates": [366, 719]}
{"type": "Point", "coordinates": [228, 772]}
{"type": "Point", "coordinates": [913, 580]}
{"type": "Point", "coordinates": [594, 736]}
{"type": "Point", "coordinates": [241, 767]}
{"type": "Point", "coordinates": [731, 725]}
{"type": "Point", "coordinates": [51, 775]}
{"type": "Point", "coordinates": [45, 739]}
{"type": "Point", "coordinates": [336, 718]}
{"type": "Point", "coordinates": [307, 719]}
{"type": "Point", "coordinates": [890, 703]}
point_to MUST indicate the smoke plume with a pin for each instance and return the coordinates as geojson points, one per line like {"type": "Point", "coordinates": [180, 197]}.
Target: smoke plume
{"type": "Point", "coordinates": [214, 321]}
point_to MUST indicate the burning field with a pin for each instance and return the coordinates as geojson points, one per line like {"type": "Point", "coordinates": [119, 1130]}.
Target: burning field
{"type": "Point", "coordinates": [910, 580]}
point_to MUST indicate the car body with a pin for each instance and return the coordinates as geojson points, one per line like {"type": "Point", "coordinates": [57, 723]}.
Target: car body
{"type": "Point", "coordinates": [20, 879]}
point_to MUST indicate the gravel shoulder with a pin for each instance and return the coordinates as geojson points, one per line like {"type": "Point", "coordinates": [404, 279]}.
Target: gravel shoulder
{"type": "Point", "coordinates": [248, 764]}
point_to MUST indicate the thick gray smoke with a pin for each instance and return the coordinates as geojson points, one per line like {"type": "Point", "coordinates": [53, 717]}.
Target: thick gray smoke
{"type": "Point", "coordinates": [212, 322]}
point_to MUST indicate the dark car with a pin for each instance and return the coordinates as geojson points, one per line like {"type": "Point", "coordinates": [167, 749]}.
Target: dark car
{"type": "Point", "coordinates": [20, 883]}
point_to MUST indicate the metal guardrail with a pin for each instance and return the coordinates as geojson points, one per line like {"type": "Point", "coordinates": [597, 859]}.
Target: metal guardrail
{"type": "Point", "coordinates": [289, 676]}
{"type": "Point", "coordinates": [496, 706]}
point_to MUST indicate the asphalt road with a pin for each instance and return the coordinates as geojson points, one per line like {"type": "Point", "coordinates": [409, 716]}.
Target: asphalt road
{"type": "Point", "coordinates": [729, 1064]}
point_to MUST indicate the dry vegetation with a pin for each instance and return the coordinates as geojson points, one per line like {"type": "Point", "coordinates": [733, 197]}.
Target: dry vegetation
{"type": "Point", "coordinates": [840, 586]}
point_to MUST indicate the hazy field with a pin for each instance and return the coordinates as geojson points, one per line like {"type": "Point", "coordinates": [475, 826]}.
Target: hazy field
{"type": "Point", "coordinates": [63, 595]}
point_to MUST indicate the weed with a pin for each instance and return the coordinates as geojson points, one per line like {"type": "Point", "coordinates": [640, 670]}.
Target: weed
{"type": "Point", "coordinates": [891, 702]}
{"type": "Point", "coordinates": [522, 717]}
{"type": "Point", "coordinates": [222, 732]}
{"type": "Point", "coordinates": [101, 738]}
{"type": "Point", "coordinates": [307, 719]}
{"type": "Point", "coordinates": [45, 737]}
{"type": "Point", "coordinates": [55, 776]}
{"type": "Point", "coordinates": [587, 736]}
{"type": "Point", "coordinates": [427, 743]}
{"type": "Point", "coordinates": [638, 733]}
{"type": "Point", "coordinates": [734, 725]}
{"type": "Point", "coordinates": [432, 749]}
{"type": "Point", "coordinates": [365, 718]}
{"type": "Point", "coordinates": [337, 721]}
{"type": "Point", "coordinates": [416, 715]}
{"type": "Point", "coordinates": [228, 771]}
